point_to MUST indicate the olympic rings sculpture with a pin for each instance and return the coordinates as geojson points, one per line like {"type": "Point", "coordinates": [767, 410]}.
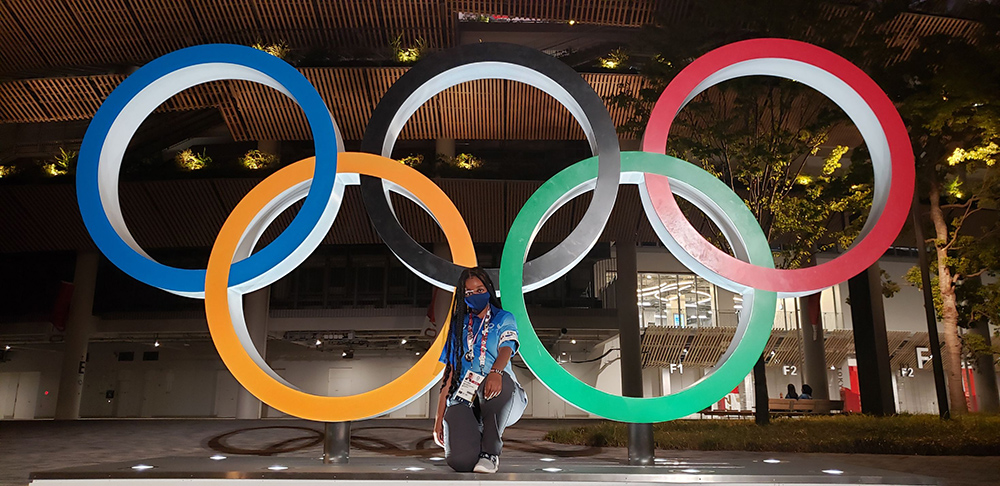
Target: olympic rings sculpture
{"type": "Point", "coordinates": [234, 269]}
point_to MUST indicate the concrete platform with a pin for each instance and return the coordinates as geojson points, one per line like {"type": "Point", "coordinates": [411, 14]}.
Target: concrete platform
{"type": "Point", "coordinates": [370, 471]}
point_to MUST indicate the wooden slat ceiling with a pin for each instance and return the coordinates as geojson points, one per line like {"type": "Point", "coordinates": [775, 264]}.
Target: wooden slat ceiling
{"type": "Point", "coordinates": [665, 345]}
{"type": "Point", "coordinates": [65, 34]}
{"type": "Point", "coordinates": [40, 34]}
{"type": "Point", "coordinates": [514, 111]}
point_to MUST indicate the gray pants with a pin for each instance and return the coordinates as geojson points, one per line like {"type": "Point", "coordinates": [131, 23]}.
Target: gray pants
{"type": "Point", "coordinates": [471, 430]}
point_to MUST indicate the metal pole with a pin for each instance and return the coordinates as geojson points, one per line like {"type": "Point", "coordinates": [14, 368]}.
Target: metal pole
{"type": "Point", "coordinates": [640, 436]}
{"type": "Point", "coordinates": [932, 331]}
{"type": "Point", "coordinates": [336, 442]}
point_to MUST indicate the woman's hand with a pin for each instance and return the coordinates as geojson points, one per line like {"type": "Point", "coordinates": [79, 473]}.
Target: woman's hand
{"type": "Point", "coordinates": [439, 431]}
{"type": "Point", "coordinates": [493, 385]}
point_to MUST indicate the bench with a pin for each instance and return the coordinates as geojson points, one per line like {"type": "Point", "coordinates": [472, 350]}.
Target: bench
{"type": "Point", "coordinates": [786, 407]}
{"type": "Point", "coordinates": [790, 406]}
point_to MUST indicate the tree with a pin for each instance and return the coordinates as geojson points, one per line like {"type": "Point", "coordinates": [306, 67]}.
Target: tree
{"type": "Point", "coordinates": [763, 136]}
{"type": "Point", "coordinates": [950, 99]}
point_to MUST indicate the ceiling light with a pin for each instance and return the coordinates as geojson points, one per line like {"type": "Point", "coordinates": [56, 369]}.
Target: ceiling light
{"type": "Point", "coordinates": [437, 458]}
{"type": "Point", "coordinates": [691, 471]}
{"type": "Point", "coordinates": [547, 459]}
{"type": "Point", "coordinates": [277, 468]}
{"type": "Point", "coordinates": [772, 461]}
{"type": "Point", "coordinates": [572, 341]}
{"type": "Point", "coordinates": [6, 348]}
{"type": "Point", "coordinates": [217, 457]}
{"type": "Point", "coordinates": [156, 344]}
{"type": "Point", "coordinates": [402, 342]}
{"type": "Point", "coordinates": [551, 469]}
{"type": "Point", "coordinates": [318, 342]}
{"type": "Point", "coordinates": [833, 471]}
{"type": "Point", "coordinates": [418, 353]}
{"type": "Point", "coordinates": [142, 467]}
{"type": "Point", "coordinates": [414, 468]}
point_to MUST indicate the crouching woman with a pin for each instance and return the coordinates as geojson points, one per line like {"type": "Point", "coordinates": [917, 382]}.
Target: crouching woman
{"type": "Point", "coordinates": [480, 395]}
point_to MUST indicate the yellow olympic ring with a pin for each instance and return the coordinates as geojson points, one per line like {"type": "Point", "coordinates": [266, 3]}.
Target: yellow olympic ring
{"type": "Point", "coordinates": [218, 297]}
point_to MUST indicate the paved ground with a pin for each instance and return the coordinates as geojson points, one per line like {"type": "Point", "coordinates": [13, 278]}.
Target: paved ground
{"type": "Point", "coordinates": [41, 445]}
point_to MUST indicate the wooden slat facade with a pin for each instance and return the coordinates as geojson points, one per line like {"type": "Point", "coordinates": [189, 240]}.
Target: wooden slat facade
{"type": "Point", "coordinates": [703, 347]}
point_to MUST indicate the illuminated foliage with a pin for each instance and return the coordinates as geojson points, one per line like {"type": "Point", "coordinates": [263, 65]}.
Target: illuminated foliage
{"type": "Point", "coordinates": [63, 163]}
{"type": "Point", "coordinates": [257, 159]}
{"type": "Point", "coordinates": [190, 160]}
{"type": "Point", "coordinates": [412, 160]}
{"type": "Point", "coordinates": [616, 59]}
{"type": "Point", "coordinates": [407, 53]}
{"type": "Point", "coordinates": [279, 49]}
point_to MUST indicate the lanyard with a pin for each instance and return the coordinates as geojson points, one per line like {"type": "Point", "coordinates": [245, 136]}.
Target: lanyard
{"type": "Point", "coordinates": [470, 338]}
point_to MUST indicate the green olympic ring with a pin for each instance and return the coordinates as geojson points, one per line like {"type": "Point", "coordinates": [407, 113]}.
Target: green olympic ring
{"type": "Point", "coordinates": [751, 335]}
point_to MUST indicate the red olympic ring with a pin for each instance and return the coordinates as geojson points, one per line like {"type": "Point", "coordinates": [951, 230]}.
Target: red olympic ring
{"type": "Point", "coordinates": [801, 281]}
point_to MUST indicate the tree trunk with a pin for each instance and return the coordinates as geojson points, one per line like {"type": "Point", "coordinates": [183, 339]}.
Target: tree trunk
{"type": "Point", "coordinates": [951, 352]}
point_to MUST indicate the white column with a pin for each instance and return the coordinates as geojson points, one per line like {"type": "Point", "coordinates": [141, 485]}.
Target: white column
{"type": "Point", "coordinates": [445, 146]}
{"type": "Point", "coordinates": [80, 325]}
{"type": "Point", "coordinates": [255, 306]}
{"type": "Point", "coordinates": [813, 335]}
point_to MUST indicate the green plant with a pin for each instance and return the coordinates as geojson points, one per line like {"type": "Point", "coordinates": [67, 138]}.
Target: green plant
{"type": "Point", "coordinates": [904, 434]}
{"type": "Point", "coordinates": [466, 161]}
{"type": "Point", "coordinates": [616, 59]}
{"type": "Point", "coordinates": [412, 160]}
{"type": "Point", "coordinates": [190, 160]}
{"type": "Point", "coordinates": [407, 54]}
{"type": "Point", "coordinates": [257, 159]}
{"type": "Point", "coordinates": [64, 163]}
{"type": "Point", "coordinates": [278, 49]}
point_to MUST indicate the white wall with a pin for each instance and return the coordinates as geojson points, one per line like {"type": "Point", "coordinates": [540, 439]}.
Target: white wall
{"type": "Point", "coordinates": [29, 381]}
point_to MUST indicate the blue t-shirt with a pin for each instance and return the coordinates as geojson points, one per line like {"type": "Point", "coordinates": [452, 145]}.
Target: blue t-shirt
{"type": "Point", "coordinates": [502, 332]}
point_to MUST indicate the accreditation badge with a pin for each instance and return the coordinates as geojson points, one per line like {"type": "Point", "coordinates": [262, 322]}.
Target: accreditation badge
{"type": "Point", "coordinates": [470, 384]}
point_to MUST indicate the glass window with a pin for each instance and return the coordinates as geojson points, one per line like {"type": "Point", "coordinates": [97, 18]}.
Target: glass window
{"type": "Point", "coordinates": [675, 300]}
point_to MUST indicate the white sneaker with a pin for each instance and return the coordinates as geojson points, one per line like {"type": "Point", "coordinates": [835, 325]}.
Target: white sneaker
{"type": "Point", "coordinates": [488, 464]}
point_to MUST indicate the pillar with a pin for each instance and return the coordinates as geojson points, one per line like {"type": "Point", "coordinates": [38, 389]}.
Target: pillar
{"type": "Point", "coordinates": [255, 309]}
{"type": "Point", "coordinates": [80, 325]}
{"type": "Point", "coordinates": [272, 147]}
{"type": "Point", "coordinates": [871, 346]}
{"type": "Point", "coordinates": [986, 374]}
{"type": "Point", "coordinates": [813, 336]}
{"type": "Point", "coordinates": [446, 147]}
{"type": "Point", "coordinates": [640, 436]}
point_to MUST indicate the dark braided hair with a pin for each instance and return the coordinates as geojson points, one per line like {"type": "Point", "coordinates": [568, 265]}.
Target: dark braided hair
{"type": "Point", "coordinates": [456, 331]}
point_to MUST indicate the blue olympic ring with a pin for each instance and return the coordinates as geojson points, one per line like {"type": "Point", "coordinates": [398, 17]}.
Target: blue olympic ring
{"type": "Point", "coordinates": [141, 86]}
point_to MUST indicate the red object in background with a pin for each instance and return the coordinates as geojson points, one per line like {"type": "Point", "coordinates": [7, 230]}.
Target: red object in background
{"type": "Point", "coordinates": [850, 396]}
{"type": "Point", "coordinates": [60, 310]}
{"type": "Point", "coordinates": [969, 383]}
